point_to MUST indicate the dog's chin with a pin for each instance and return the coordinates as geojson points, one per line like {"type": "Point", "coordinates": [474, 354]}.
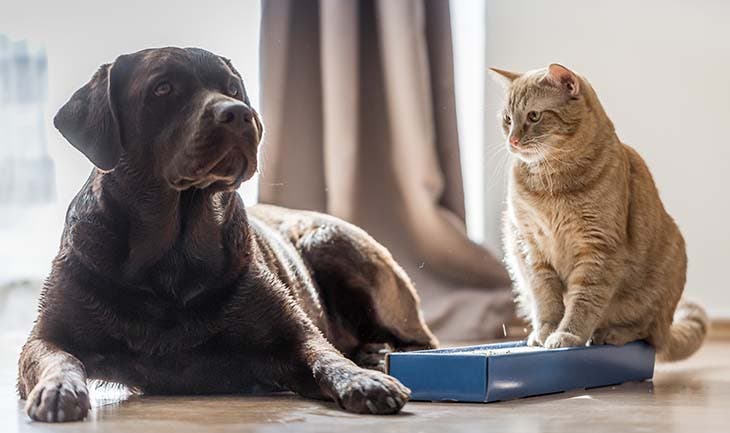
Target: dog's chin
{"type": "Point", "coordinates": [224, 176]}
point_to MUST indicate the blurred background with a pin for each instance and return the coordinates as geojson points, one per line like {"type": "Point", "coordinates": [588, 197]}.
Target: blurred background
{"type": "Point", "coordinates": [666, 89]}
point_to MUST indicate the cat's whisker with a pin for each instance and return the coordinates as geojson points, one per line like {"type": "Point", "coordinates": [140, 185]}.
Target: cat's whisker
{"type": "Point", "coordinates": [502, 157]}
{"type": "Point", "coordinates": [538, 137]}
{"type": "Point", "coordinates": [494, 150]}
{"type": "Point", "coordinates": [542, 151]}
{"type": "Point", "coordinates": [552, 155]}
{"type": "Point", "coordinates": [540, 173]}
{"type": "Point", "coordinates": [550, 151]}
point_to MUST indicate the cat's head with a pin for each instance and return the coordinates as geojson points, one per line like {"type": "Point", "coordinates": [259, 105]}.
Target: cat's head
{"type": "Point", "coordinates": [548, 113]}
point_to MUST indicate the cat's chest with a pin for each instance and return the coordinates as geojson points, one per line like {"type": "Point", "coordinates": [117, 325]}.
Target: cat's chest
{"type": "Point", "coordinates": [552, 228]}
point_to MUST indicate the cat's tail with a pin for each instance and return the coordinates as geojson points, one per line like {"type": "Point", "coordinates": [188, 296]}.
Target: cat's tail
{"type": "Point", "coordinates": [687, 332]}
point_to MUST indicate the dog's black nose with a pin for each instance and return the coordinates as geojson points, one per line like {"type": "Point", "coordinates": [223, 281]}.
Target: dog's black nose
{"type": "Point", "coordinates": [233, 114]}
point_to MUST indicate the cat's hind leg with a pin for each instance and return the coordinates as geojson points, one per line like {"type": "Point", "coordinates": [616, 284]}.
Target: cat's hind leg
{"type": "Point", "coordinates": [617, 335]}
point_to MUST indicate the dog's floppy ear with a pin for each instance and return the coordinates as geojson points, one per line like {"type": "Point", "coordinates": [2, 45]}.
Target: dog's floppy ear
{"type": "Point", "coordinates": [89, 120]}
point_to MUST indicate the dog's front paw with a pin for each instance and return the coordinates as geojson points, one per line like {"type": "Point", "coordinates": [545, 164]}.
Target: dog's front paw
{"type": "Point", "coordinates": [563, 339]}
{"type": "Point", "coordinates": [58, 399]}
{"type": "Point", "coordinates": [372, 392]}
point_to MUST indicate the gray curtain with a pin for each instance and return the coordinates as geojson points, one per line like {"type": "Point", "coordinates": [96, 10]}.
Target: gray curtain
{"type": "Point", "coordinates": [358, 107]}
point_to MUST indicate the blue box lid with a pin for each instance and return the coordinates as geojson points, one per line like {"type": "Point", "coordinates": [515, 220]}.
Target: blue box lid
{"type": "Point", "coordinates": [504, 371]}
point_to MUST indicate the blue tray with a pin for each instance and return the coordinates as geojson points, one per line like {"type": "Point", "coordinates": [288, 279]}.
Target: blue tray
{"type": "Point", "coordinates": [504, 371]}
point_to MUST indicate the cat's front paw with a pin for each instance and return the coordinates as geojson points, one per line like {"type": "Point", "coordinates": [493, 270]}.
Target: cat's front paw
{"type": "Point", "coordinates": [563, 339]}
{"type": "Point", "coordinates": [538, 335]}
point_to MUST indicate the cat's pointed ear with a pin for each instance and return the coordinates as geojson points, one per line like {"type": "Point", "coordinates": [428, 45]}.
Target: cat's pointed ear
{"type": "Point", "coordinates": [505, 78]}
{"type": "Point", "coordinates": [89, 121]}
{"type": "Point", "coordinates": [564, 78]}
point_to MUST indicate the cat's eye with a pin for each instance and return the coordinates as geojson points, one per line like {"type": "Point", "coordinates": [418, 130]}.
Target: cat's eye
{"type": "Point", "coordinates": [507, 119]}
{"type": "Point", "coordinates": [163, 89]}
{"type": "Point", "coordinates": [233, 89]}
{"type": "Point", "coordinates": [534, 116]}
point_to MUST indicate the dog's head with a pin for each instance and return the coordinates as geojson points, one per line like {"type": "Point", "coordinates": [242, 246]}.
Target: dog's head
{"type": "Point", "coordinates": [181, 115]}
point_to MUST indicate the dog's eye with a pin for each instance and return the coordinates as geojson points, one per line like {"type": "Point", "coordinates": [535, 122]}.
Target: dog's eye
{"type": "Point", "coordinates": [233, 89]}
{"type": "Point", "coordinates": [163, 89]}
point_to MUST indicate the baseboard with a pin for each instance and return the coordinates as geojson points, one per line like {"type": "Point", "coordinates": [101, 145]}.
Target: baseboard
{"type": "Point", "coordinates": [719, 329]}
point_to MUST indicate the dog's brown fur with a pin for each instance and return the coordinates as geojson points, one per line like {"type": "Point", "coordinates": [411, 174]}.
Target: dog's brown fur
{"type": "Point", "coordinates": [592, 250]}
{"type": "Point", "coordinates": [166, 284]}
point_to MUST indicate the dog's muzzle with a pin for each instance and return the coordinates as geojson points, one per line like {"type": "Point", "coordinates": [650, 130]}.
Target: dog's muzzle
{"type": "Point", "coordinates": [235, 116]}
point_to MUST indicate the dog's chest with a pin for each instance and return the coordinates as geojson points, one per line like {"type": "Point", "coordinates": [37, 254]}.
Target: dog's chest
{"type": "Point", "coordinates": [177, 305]}
{"type": "Point", "coordinates": [182, 277]}
{"type": "Point", "coordinates": [156, 326]}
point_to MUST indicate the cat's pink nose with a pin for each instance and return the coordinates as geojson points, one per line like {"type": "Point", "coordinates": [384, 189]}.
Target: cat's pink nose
{"type": "Point", "coordinates": [514, 141]}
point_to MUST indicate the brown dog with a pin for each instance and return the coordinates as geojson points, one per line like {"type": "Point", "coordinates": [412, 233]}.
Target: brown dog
{"type": "Point", "coordinates": [166, 284]}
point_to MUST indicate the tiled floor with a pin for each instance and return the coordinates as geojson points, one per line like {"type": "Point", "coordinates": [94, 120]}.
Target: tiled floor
{"type": "Point", "coordinates": [689, 396]}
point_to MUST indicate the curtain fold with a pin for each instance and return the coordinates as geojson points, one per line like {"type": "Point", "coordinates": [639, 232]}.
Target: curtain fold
{"type": "Point", "coordinates": [358, 103]}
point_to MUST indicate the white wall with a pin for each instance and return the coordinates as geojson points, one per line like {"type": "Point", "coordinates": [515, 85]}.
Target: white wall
{"type": "Point", "coordinates": [662, 71]}
{"type": "Point", "coordinates": [80, 35]}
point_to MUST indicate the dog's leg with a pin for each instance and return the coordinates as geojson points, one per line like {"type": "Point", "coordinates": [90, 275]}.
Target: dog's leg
{"type": "Point", "coordinates": [296, 355]}
{"type": "Point", "coordinates": [320, 371]}
{"type": "Point", "coordinates": [53, 382]}
{"type": "Point", "coordinates": [368, 291]}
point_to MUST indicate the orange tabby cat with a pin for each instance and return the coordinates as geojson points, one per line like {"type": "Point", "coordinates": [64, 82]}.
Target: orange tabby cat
{"type": "Point", "coordinates": [592, 251]}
